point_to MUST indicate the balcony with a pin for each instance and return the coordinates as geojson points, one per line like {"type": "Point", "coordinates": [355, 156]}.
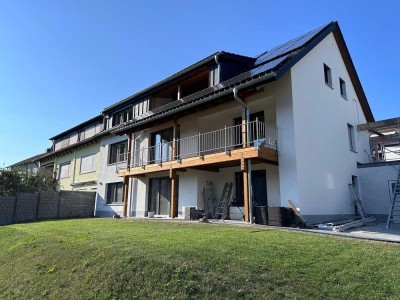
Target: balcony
{"type": "Point", "coordinates": [210, 151]}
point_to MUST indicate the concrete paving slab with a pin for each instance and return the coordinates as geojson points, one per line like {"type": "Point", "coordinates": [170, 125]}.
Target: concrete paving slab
{"type": "Point", "coordinates": [375, 232]}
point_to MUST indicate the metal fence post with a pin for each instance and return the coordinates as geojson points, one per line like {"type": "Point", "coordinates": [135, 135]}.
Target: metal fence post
{"type": "Point", "coordinates": [59, 205]}
{"type": "Point", "coordinates": [37, 207]}
{"type": "Point", "coordinates": [15, 208]}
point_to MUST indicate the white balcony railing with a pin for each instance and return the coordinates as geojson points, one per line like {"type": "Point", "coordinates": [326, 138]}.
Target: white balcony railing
{"type": "Point", "coordinates": [221, 140]}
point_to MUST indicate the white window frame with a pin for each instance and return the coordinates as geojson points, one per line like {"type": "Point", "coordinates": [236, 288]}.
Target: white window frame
{"type": "Point", "coordinates": [94, 163]}
{"type": "Point", "coordinates": [60, 167]}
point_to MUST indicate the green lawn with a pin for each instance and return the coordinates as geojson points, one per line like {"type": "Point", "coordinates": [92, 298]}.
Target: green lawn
{"type": "Point", "coordinates": [120, 259]}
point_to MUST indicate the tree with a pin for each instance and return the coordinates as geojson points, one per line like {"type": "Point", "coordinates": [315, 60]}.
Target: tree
{"type": "Point", "coordinates": [16, 181]}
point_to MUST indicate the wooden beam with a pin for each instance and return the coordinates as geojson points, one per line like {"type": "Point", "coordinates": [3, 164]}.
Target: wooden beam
{"type": "Point", "coordinates": [376, 132]}
{"type": "Point", "coordinates": [379, 124]}
{"type": "Point", "coordinates": [266, 154]}
{"type": "Point", "coordinates": [206, 168]}
{"type": "Point", "coordinates": [246, 193]}
{"type": "Point", "coordinates": [174, 194]}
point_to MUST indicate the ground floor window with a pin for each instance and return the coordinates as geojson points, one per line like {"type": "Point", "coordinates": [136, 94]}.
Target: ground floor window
{"type": "Point", "coordinates": [115, 193]}
{"type": "Point", "coordinates": [159, 200]}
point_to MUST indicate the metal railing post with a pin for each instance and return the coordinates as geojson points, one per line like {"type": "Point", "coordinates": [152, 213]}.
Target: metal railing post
{"type": "Point", "coordinates": [142, 157]}
{"type": "Point", "coordinates": [257, 134]}
{"type": "Point", "coordinates": [199, 144]}
{"type": "Point", "coordinates": [225, 139]}
{"type": "Point", "coordinates": [161, 158]}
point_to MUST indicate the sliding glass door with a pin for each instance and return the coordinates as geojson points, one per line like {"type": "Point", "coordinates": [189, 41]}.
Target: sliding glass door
{"type": "Point", "coordinates": [160, 196]}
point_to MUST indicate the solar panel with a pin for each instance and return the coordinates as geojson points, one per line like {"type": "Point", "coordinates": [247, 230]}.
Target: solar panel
{"type": "Point", "coordinates": [288, 46]}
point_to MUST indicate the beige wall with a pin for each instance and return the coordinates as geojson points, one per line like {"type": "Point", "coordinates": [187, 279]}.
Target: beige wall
{"type": "Point", "coordinates": [75, 176]}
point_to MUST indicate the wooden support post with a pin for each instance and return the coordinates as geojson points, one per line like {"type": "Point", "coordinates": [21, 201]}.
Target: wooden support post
{"type": "Point", "coordinates": [174, 194]}
{"type": "Point", "coordinates": [126, 178]}
{"type": "Point", "coordinates": [126, 192]}
{"type": "Point", "coordinates": [244, 127]}
{"type": "Point", "coordinates": [244, 133]}
{"type": "Point", "coordinates": [246, 192]}
{"type": "Point", "coordinates": [176, 133]}
{"type": "Point", "coordinates": [129, 154]}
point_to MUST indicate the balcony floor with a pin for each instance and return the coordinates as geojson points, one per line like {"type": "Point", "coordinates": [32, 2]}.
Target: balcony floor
{"type": "Point", "coordinates": [208, 162]}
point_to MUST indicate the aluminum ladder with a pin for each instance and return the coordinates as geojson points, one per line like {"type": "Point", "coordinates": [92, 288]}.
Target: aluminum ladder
{"type": "Point", "coordinates": [209, 198]}
{"type": "Point", "coordinates": [222, 209]}
{"type": "Point", "coordinates": [394, 213]}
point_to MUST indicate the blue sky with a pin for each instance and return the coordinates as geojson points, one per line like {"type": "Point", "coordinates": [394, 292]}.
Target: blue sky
{"type": "Point", "coordinates": [62, 62]}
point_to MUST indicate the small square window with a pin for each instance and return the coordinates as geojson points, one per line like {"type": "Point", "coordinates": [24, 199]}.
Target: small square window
{"type": "Point", "coordinates": [342, 84]}
{"type": "Point", "coordinates": [328, 75]}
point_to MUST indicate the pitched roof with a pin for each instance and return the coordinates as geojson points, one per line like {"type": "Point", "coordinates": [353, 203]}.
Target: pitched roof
{"type": "Point", "coordinates": [75, 128]}
{"type": "Point", "coordinates": [200, 64]}
{"type": "Point", "coordinates": [28, 160]}
{"type": "Point", "coordinates": [270, 65]}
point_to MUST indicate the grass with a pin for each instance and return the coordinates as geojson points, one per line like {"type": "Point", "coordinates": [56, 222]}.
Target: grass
{"type": "Point", "coordinates": [132, 259]}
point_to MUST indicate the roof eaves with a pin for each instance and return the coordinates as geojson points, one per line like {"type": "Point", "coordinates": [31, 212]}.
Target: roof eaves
{"type": "Point", "coordinates": [28, 160]}
{"type": "Point", "coordinates": [81, 125]}
{"type": "Point", "coordinates": [93, 138]}
{"type": "Point", "coordinates": [257, 79]}
{"type": "Point", "coordinates": [352, 70]}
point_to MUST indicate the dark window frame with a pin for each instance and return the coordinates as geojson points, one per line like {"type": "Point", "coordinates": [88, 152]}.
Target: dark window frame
{"type": "Point", "coordinates": [328, 76]}
{"type": "Point", "coordinates": [112, 193]}
{"type": "Point", "coordinates": [119, 157]}
{"type": "Point", "coordinates": [352, 137]}
{"type": "Point", "coordinates": [122, 116]}
{"type": "Point", "coordinates": [343, 90]}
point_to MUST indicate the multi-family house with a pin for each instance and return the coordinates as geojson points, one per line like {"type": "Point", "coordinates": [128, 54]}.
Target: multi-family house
{"type": "Point", "coordinates": [284, 125]}
{"type": "Point", "coordinates": [74, 158]}
{"type": "Point", "coordinates": [280, 126]}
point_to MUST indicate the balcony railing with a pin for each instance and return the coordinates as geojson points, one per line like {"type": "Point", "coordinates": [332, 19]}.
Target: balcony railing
{"type": "Point", "coordinates": [221, 140]}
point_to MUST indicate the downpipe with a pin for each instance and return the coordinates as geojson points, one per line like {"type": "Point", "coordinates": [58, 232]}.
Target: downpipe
{"type": "Point", "coordinates": [246, 112]}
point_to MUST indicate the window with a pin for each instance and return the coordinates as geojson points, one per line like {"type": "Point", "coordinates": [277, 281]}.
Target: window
{"type": "Point", "coordinates": [64, 170]}
{"type": "Point", "coordinates": [352, 141]}
{"type": "Point", "coordinates": [162, 152]}
{"type": "Point", "coordinates": [115, 193]}
{"type": "Point", "coordinates": [328, 75]}
{"type": "Point", "coordinates": [88, 163]}
{"type": "Point", "coordinates": [342, 88]}
{"type": "Point", "coordinates": [117, 152]}
{"type": "Point", "coordinates": [122, 116]}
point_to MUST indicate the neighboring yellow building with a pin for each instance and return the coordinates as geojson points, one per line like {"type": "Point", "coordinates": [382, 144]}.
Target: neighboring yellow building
{"type": "Point", "coordinates": [75, 156]}
{"type": "Point", "coordinates": [78, 170]}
